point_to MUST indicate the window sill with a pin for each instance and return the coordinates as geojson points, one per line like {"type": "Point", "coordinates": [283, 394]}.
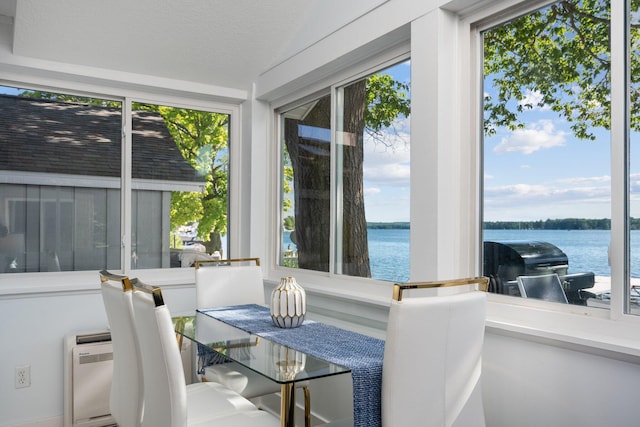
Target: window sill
{"type": "Point", "coordinates": [18, 285]}
{"type": "Point", "coordinates": [585, 329]}
{"type": "Point", "coordinates": [590, 331]}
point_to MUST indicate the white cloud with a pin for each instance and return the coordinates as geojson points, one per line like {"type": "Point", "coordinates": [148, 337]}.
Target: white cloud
{"type": "Point", "coordinates": [605, 179]}
{"type": "Point", "coordinates": [533, 99]}
{"type": "Point", "coordinates": [551, 196]}
{"type": "Point", "coordinates": [388, 162]}
{"type": "Point", "coordinates": [538, 135]}
{"type": "Point", "coordinates": [388, 174]}
{"type": "Point", "coordinates": [634, 183]}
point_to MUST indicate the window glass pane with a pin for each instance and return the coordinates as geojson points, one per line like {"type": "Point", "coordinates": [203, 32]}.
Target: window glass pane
{"type": "Point", "coordinates": [634, 161]}
{"type": "Point", "coordinates": [371, 179]}
{"type": "Point", "coordinates": [179, 186]}
{"type": "Point", "coordinates": [547, 195]}
{"type": "Point", "coordinates": [60, 174]}
{"type": "Point", "coordinates": [372, 160]}
{"type": "Point", "coordinates": [306, 166]}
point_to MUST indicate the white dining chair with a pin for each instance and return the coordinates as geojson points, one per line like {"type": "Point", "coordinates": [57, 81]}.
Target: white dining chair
{"type": "Point", "coordinates": [432, 358]}
{"type": "Point", "coordinates": [126, 400]}
{"type": "Point", "coordinates": [218, 284]}
{"type": "Point", "coordinates": [234, 282]}
{"type": "Point", "coordinates": [168, 401]}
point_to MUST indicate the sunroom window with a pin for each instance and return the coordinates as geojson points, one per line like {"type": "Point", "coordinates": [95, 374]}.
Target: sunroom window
{"type": "Point", "coordinates": [63, 180]}
{"type": "Point", "coordinates": [345, 187]}
{"type": "Point", "coordinates": [547, 155]}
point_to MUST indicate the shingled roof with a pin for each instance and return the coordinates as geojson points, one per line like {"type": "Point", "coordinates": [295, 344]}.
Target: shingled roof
{"type": "Point", "coordinates": [66, 138]}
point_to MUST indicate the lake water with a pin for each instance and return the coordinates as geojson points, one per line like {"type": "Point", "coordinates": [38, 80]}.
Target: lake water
{"type": "Point", "coordinates": [586, 249]}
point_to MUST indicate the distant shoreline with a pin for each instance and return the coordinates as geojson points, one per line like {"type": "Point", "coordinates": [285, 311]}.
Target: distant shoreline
{"type": "Point", "coordinates": [552, 224]}
{"type": "Point", "coordinates": [548, 224]}
{"type": "Point", "coordinates": [389, 225]}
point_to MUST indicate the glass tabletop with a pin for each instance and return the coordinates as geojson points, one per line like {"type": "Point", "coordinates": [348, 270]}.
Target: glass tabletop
{"type": "Point", "coordinates": [278, 362]}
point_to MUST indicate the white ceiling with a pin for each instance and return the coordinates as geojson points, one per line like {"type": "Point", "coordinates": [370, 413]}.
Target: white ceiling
{"type": "Point", "coordinates": [225, 43]}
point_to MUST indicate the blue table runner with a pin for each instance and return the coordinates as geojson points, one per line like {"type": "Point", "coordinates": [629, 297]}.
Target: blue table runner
{"type": "Point", "coordinates": [361, 353]}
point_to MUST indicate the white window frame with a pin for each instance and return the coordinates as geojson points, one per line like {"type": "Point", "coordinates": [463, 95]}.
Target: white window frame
{"type": "Point", "coordinates": [446, 222]}
{"type": "Point", "coordinates": [589, 329]}
{"type": "Point", "coordinates": [363, 289]}
{"type": "Point", "coordinates": [19, 284]}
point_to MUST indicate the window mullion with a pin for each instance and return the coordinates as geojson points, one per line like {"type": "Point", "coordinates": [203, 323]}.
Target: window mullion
{"type": "Point", "coordinates": [619, 252]}
{"type": "Point", "coordinates": [335, 254]}
{"type": "Point", "coordinates": [125, 226]}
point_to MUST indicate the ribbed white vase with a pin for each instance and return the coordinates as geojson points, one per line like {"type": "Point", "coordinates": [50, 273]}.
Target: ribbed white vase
{"type": "Point", "coordinates": [288, 303]}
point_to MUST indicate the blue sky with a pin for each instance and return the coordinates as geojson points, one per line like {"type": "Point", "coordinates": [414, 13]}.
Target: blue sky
{"type": "Point", "coordinates": [386, 166]}
{"type": "Point", "coordinates": [543, 171]}
{"type": "Point", "coordinates": [536, 173]}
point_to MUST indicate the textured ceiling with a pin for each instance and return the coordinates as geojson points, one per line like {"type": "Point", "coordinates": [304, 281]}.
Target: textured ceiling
{"type": "Point", "coordinates": [225, 43]}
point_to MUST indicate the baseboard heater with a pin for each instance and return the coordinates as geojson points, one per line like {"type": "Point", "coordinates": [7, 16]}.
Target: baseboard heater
{"type": "Point", "coordinates": [87, 381]}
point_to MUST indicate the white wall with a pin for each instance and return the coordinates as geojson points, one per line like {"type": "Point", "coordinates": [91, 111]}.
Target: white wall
{"type": "Point", "coordinates": [532, 384]}
{"type": "Point", "coordinates": [32, 333]}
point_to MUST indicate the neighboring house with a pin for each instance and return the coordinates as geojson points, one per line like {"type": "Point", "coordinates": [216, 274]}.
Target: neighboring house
{"type": "Point", "coordinates": [60, 199]}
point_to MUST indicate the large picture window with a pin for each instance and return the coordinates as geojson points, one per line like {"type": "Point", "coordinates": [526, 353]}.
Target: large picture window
{"type": "Point", "coordinates": [61, 184]}
{"type": "Point", "coordinates": [548, 150]}
{"type": "Point", "coordinates": [360, 167]}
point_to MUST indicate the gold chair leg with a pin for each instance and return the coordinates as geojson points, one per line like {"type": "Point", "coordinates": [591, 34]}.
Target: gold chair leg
{"type": "Point", "coordinates": [307, 407]}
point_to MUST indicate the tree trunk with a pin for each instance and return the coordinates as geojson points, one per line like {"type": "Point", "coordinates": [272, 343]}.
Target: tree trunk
{"type": "Point", "coordinates": [311, 164]}
{"type": "Point", "coordinates": [214, 243]}
{"type": "Point", "coordinates": [355, 247]}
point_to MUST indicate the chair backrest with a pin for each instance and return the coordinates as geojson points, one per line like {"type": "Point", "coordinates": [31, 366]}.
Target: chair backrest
{"type": "Point", "coordinates": [545, 286]}
{"type": "Point", "coordinates": [432, 361]}
{"type": "Point", "coordinates": [219, 283]}
{"type": "Point", "coordinates": [127, 400]}
{"type": "Point", "coordinates": [164, 383]}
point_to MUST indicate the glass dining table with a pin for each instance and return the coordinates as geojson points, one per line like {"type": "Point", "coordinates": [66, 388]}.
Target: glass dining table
{"type": "Point", "coordinates": [278, 362]}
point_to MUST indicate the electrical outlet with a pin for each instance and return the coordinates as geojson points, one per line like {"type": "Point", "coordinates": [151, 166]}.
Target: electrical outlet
{"type": "Point", "coordinates": [23, 376]}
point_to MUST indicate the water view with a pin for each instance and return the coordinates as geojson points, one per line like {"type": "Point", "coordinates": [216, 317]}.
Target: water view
{"type": "Point", "coordinates": [586, 249]}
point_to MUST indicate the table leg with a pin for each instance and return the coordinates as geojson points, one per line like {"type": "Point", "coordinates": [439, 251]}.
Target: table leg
{"type": "Point", "coordinates": [287, 405]}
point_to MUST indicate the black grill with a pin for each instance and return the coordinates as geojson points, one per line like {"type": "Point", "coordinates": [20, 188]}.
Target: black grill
{"type": "Point", "coordinates": [505, 261]}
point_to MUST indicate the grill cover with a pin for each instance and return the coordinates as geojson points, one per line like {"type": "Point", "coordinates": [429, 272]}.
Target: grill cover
{"type": "Point", "coordinates": [509, 260]}
{"type": "Point", "coordinates": [505, 261]}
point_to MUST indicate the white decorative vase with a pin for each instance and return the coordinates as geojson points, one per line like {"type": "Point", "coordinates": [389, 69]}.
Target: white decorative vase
{"type": "Point", "coordinates": [288, 304]}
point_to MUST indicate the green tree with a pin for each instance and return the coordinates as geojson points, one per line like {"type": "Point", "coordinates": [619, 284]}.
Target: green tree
{"type": "Point", "coordinates": [289, 223]}
{"type": "Point", "coordinates": [560, 52]}
{"type": "Point", "coordinates": [202, 138]}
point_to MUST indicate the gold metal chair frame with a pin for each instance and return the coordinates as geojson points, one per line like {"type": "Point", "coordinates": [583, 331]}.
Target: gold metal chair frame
{"type": "Point", "coordinates": [154, 291]}
{"type": "Point", "coordinates": [106, 276]}
{"type": "Point", "coordinates": [398, 288]}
